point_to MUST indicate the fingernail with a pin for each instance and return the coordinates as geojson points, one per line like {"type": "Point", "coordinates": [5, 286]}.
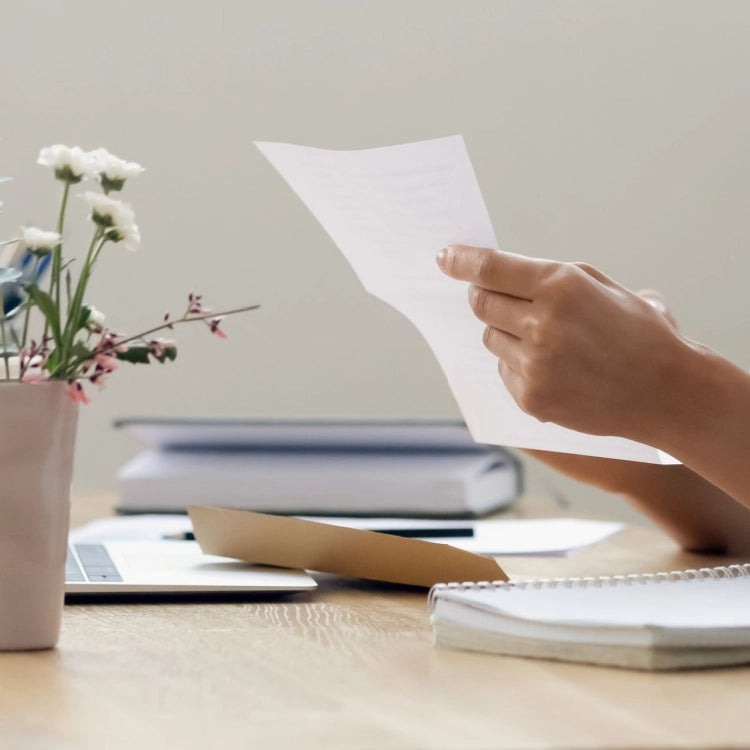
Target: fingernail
{"type": "Point", "coordinates": [442, 257]}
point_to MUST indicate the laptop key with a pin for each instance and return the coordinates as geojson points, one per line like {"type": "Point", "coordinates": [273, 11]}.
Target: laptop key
{"type": "Point", "coordinates": [73, 573]}
{"type": "Point", "coordinates": [97, 564]}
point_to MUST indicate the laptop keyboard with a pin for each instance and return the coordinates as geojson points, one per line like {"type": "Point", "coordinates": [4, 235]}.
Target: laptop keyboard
{"type": "Point", "coordinates": [96, 565]}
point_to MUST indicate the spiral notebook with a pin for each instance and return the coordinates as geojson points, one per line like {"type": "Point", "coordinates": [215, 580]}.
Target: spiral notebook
{"type": "Point", "coordinates": [661, 621]}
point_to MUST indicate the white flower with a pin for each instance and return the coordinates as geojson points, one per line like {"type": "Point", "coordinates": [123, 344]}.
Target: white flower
{"type": "Point", "coordinates": [39, 241]}
{"type": "Point", "coordinates": [108, 212]}
{"type": "Point", "coordinates": [111, 170]}
{"type": "Point", "coordinates": [116, 218]}
{"type": "Point", "coordinates": [127, 234]}
{"type": "Point", "coordinates": [95, 319]}
{"type": "Point", "coordinates": [70, 164]}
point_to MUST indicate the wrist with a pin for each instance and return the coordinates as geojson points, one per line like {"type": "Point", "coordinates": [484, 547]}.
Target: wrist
{"type": "Point", "coordinates": [699, 398]}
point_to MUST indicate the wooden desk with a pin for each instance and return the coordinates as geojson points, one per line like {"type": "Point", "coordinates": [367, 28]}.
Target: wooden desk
{"type": "Point", "coordinates": [350, 666]}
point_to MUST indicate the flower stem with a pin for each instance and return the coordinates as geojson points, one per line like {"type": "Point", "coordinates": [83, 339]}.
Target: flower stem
{"type": "Point", "coordinates": [98, 250]}
{"type": "Point", "coordinates": [34, 275]}
{"type": "Point", "coordinates": [54, 284]}
{"type": "Point", "coordinates": [74, 308]}
{"type": "Point", "coordinates": [58, 249]}
{"type": "Point", "coordinates": [88, 264]}
{"type": "Point", "coordinates": [184, 319]}
{"type": "Point", "coordinates": [60, 369]}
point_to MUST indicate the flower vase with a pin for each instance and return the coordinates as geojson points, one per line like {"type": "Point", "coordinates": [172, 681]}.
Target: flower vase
{"type": "Point", "coordinates": [37, 443]}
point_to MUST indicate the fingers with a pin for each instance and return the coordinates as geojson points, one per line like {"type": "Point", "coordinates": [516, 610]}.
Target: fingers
{"type": "Point", "coordinates": [494, 270]}
{"type": "Point", "coordinates": [505, 346]}
{"type": "Point", "coordinates": [512, 380]}
{"type": "Point", "coordinates": [524, 389]}
{"type": "Point", "coordinates": [657, 301]}
{"type": "Point", "coordinates": [595, 273]}
{"type": "Point", "coordinates": [509, 314]}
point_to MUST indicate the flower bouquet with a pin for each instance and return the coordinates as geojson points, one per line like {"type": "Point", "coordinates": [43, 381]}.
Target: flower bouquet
{"type": "Point", "coordinates": [44, 376]}
{"type": "Point", "coordinates": [75, 346]}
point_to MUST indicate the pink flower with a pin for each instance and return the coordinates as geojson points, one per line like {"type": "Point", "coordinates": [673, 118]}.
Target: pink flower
{"type": "Point", "coordinates": [112, 341]}
{"type": "Point", "coordinates": [33, 359]}
{"type": "Point", "coordinates": [106, 362]}
{"type": "Point", "coordinates": [157, 346]}
{"type": "Point", "coordinates": [99, 378]}
{"type": "Point", "coordinates": [213, 324]}
{"type": "Point", "coordinates": [76, 393]}
{"type": "Point", "coordinates": [195, 305]}
{"type": "Point", "coordinates": [35, 375]}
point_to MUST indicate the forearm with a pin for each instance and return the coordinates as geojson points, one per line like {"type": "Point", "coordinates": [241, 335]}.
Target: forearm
{"type": "Point", "coordinates": [580, 350]}
{"type": "Point", "coordinates": [700, 516]}
{"type": "Point", "coordinates": [697, 514]}
{"type": "Point", "coordinates": [699, 412]}
{"type": "Point", "coordinates": [705, 421]}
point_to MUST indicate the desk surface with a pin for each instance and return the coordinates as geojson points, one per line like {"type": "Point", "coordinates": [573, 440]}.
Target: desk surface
{"type": "Point", "coordinates": [350, 666]}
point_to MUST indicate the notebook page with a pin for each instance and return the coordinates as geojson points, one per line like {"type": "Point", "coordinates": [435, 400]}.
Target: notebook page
{"type": "Point", "coordinates": [676, 612]}
{"type": "Point", "coordinates": [389, 210]}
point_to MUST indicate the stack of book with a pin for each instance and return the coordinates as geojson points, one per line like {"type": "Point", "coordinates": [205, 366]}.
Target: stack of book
{"type": "Point", "coordinates": [387, 468]}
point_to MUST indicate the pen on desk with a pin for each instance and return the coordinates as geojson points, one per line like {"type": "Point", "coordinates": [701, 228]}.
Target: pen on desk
{"type": "Point", "coordinates": [432, 533]}
{"type": "Point", "coordinates": [185, 536]}
{"type": "Point", "coordinates": [414, 533]}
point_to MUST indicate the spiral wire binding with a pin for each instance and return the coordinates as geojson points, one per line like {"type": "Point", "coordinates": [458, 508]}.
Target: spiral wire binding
{"type": "Point", "coordinates": [690, 574]}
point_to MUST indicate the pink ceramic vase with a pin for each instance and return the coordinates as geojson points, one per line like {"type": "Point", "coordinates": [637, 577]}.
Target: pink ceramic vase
{"type": "Point", "coordinates": [37, 443]}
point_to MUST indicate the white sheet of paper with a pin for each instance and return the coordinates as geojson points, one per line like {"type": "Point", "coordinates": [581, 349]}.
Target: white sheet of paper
{"type": "Point", "coordinates": [138, 528]}
{"type": "Point", "coordinates": [525, 536]}
{"type": "Point", "coordinates": [389, 210]}
{"type": "Point", "coordinates": [542, 536]}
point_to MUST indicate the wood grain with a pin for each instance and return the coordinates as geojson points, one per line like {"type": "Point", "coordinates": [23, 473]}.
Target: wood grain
{"type": "Point", "coordinates": [350, 666]}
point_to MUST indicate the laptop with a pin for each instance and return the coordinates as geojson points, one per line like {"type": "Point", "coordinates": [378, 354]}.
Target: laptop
{"type": "Point", "coordinates": [169, 568]}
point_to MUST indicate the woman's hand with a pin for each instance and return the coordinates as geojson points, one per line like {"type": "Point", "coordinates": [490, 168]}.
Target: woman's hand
{"type": "Point", "coordinates": [619, 477]}
{"type": "Point", "coordinates": [574, 347]}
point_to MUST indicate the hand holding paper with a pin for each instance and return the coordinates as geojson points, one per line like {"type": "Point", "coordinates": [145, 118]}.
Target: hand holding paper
{"type": "Point", "coordinates": [573, 346]}
{"type": "Point", "coordinates": [390, 210]}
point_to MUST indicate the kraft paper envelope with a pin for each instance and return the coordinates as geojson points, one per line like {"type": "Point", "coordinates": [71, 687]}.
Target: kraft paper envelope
{"type": "Point", "coordinates": [294, 543]}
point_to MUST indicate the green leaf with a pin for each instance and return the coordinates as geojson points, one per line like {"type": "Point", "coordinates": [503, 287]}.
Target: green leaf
{"type": "Point", "coordinates": [52, 361]}
{"type": "Point", "coordinates": [83, 318]}
{"type": "Point", "coordinates": [136, 353]}
{"type": "Point", "coordinates": [47, 307]}
{"type": "Point", "coordinates": [170, 353]}
{"type": "Point", "coordinates": [80, 351]}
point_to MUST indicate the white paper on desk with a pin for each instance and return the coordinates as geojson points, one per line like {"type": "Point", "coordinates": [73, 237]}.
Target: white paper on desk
{"type": "Point", "coordinates": [146, 527]}
{"type": "Point", "coordinates": [513, 536]}
{"type": "Point", "coordinates": [390, 210]}
{"type": "Point", "coordinates": [533, 536]}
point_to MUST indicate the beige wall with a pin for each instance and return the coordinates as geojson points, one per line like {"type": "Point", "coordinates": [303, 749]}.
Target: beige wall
{"type": "Point", "coordinates": [611, 132]}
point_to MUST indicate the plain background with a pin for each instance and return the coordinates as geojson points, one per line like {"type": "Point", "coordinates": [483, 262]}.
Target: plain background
{"type": "Point", "coordinates": [609, 132]}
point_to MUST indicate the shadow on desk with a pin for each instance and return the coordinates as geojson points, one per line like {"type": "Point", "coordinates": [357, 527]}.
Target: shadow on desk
{"type": "Point", "coordinates": [208, 597]}
{"type": "Point", "coordinates": [327, 584]}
